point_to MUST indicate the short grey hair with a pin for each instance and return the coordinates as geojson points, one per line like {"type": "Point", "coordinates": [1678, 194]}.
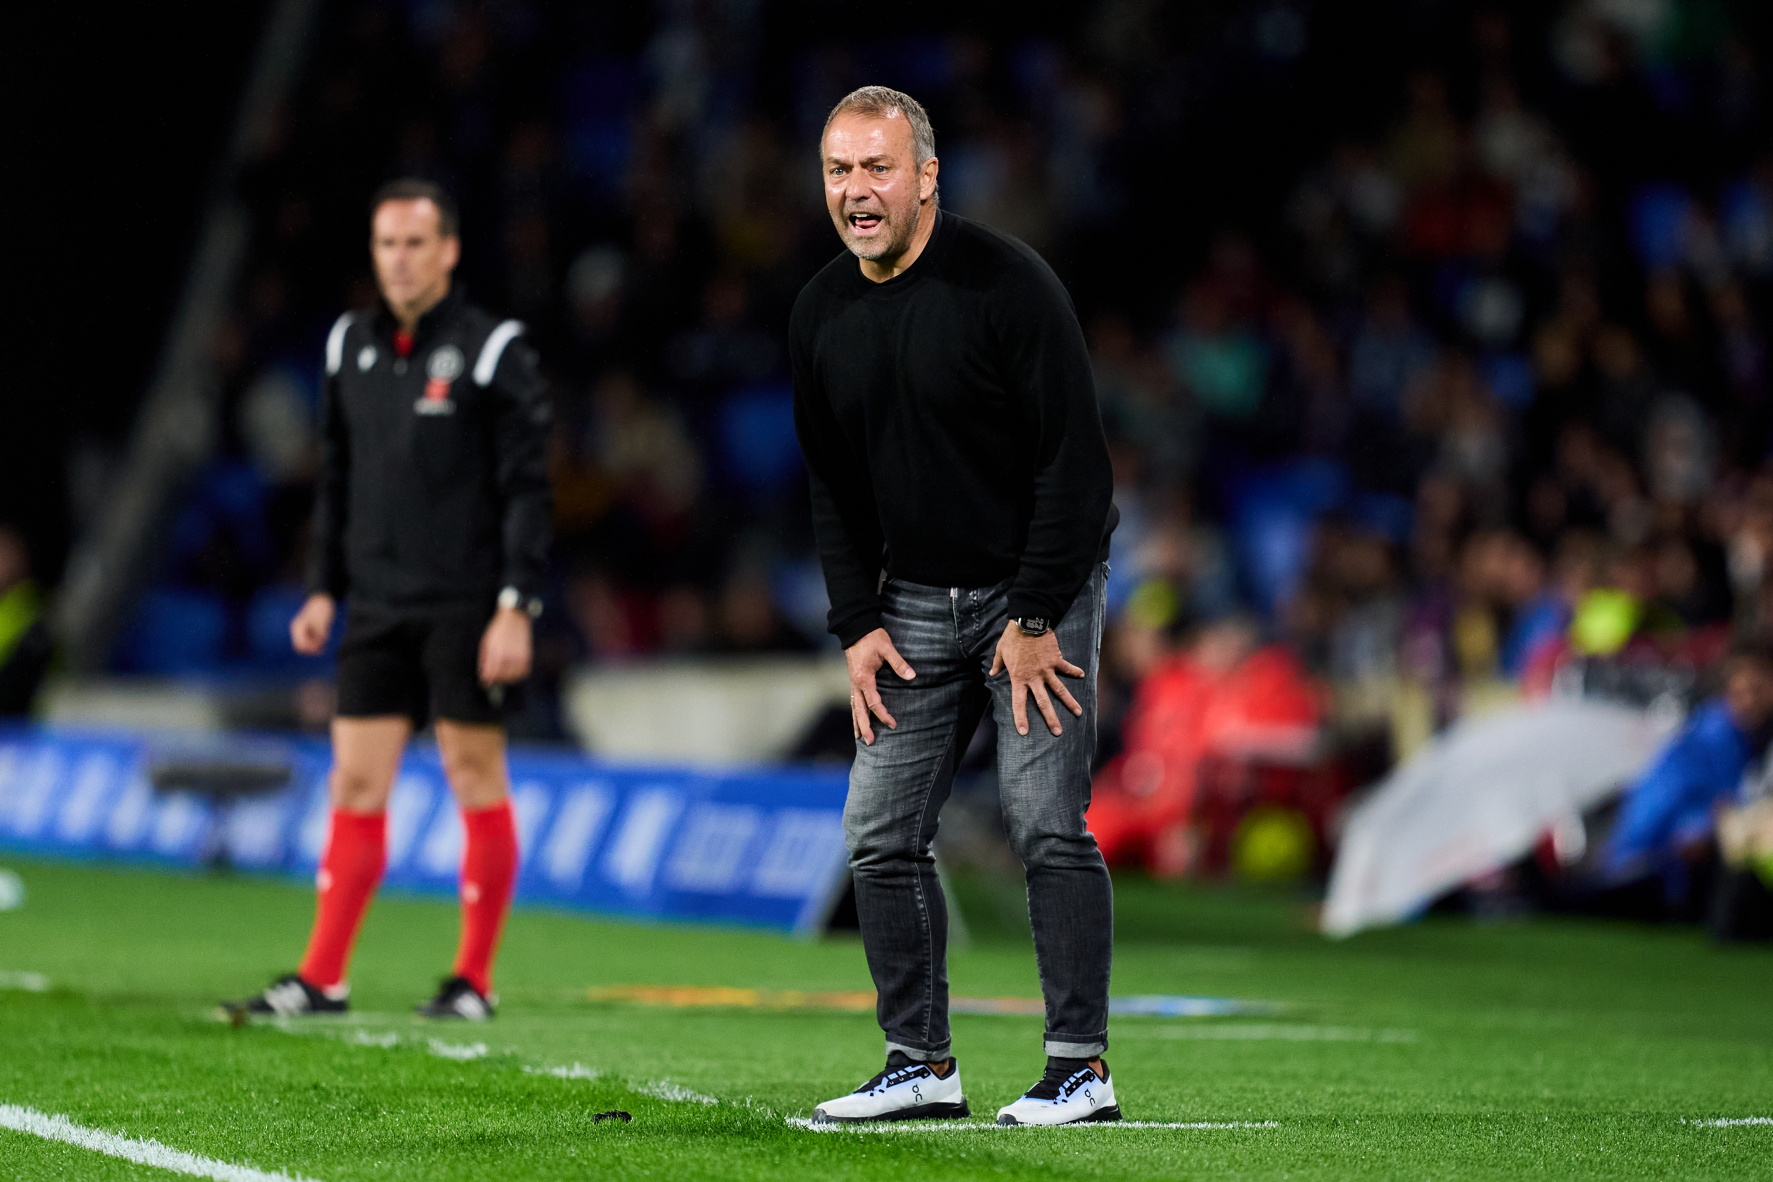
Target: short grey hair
{"type": "Point", "coordinates": [883, 102]}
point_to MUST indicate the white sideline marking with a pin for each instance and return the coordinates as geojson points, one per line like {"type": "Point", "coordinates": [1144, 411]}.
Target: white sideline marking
{"type": "Point", "coordinates": [934, 1126]}
{"type": "Point", "coordinates": [456, 1051]}
{"type": "Point", "coordinates": [1267, 1032]}
{"type": "Point", "coordinates": [664, 1089]}
{"type": "Point", "coordinates": [363, 1038]}
{"type": "Point", "coordinates": [143, 1152]}
{"type": "Point", "coordinates": [28, 982]}
{"type": "Point", "coordinates": [658, 1089]}
{"type": "Point", "coordinates": [576, 1071]}
{"type": "Point", "coordinates": [1731, 1122]}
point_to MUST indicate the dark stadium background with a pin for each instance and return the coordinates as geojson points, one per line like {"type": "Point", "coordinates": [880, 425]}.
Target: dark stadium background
{"type": "Point", "coordinates": [120, 111]}
{"type": "Point", "coordinates": [637, 183]}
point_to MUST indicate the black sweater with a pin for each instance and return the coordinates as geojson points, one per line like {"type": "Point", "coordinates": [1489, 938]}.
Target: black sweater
{"type": "Point", "coordinates": [949, 422]}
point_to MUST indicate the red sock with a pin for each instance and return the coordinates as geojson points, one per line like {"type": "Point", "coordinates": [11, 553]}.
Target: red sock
{"type": "Point", "coordinates": [489, 872]}
{"type": "Point", "coordinates": [356, 850]}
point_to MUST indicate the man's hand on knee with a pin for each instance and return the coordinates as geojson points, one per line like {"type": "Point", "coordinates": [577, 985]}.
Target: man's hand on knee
{"type": "Point", "coordinates": [865, 657]}
{"type": "Point", "coordinates": [1034, 664]}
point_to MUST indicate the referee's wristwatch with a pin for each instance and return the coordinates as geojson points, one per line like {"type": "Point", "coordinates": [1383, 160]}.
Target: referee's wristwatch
{"type": "Point", "coordinates": [511, 597]}
{"type": "Point", "coordinates": [1034, 625]}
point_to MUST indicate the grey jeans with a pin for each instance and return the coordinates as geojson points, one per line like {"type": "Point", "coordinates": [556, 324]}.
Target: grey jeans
{"type": "Point", "coordinates": [949, 635]}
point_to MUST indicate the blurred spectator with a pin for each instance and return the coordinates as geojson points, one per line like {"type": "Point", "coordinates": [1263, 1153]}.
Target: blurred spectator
{"type": "Point", "coordinates": [1148, 415]}
{"type": "Point", "coordinates": [1220, 361]}
{"type": "Point", "coordinates": [1541, 602]}
{"type": "Point", "coordinates": [725, 349]}
{"type": "Point", "coordinates": [750, 621]}
{"type": "Point", "coordinates": [1387, 355]}
{"type": "Point", "coordinates": [1226, 694]}
{"type": "Point", "coordinates": [1666, 822]}
{"type": "Point", "coordinates": [25, 646]}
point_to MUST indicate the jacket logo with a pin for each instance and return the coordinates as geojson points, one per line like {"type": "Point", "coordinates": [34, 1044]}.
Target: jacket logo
{"type": "Point", "coordinates": [444, 366]}
{"type": "Point", "coordinates": [366, 357]}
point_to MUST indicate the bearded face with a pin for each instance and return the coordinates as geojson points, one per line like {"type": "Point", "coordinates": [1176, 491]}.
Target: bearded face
{"type": "Point", "coordinates": [875, 189]}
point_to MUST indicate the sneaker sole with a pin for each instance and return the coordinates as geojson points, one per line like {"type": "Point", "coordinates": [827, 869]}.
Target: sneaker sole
{"type": "Point", "coordinates": [1110, 1113]}
{"type": "Point", "coordinates": [921, 1112]}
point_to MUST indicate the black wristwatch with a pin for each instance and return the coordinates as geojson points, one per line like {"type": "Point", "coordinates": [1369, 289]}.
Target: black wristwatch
{"type": "Point", "coordinates": [1034, 625]}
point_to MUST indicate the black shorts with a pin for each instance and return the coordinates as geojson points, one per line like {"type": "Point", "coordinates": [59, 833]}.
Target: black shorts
{"type": "Point", "coordinates": [423, 663]}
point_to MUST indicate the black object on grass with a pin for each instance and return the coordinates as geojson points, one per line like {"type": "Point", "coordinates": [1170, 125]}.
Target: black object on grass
{"type": "Point", "coordinates": [612, 1114]}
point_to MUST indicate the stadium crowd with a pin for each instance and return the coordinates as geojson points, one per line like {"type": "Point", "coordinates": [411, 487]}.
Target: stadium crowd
{"type": "Point", "coordinates": [1489, 385]}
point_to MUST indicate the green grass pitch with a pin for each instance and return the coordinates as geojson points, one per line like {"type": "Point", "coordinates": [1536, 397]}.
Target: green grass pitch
{"type": "Point", "coordinates": [1442, 1050]}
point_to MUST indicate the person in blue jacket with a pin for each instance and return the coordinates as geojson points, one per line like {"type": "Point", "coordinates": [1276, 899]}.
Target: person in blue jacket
{"type": "Point", "coordinates": [1667, 817]}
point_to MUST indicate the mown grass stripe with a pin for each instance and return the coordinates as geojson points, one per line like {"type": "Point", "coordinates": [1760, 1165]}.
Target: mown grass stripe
{"type": "Point", "coordinates": [147, 1152]}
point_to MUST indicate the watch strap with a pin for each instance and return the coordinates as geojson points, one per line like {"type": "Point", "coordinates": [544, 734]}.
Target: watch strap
{"type": "Point", "coordinates": [511, 597]}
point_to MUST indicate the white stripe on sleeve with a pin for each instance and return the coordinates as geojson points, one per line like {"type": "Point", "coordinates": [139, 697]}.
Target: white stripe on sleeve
{"type": "Point", "coordinates": [335, 344]}
{"type": "Point", "coordinates": [488, 363]}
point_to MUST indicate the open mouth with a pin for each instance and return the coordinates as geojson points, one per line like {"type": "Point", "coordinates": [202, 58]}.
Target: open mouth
{"type": "Point", "coordinates": [864, 223]}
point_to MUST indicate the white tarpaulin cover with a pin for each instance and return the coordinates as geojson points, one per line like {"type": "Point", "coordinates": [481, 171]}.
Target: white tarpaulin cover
{"type": "Point", "coordinates": [1478, 798]}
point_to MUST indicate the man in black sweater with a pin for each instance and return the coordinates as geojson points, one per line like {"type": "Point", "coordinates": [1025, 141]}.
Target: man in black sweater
{"type": "Point", "coordinates": [961, 496]}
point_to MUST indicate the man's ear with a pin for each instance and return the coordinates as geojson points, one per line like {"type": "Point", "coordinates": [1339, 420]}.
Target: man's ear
{"type": "Point", "coordinates": [452, 252]}
{"type": "Point", "coordinates": [926, 179]}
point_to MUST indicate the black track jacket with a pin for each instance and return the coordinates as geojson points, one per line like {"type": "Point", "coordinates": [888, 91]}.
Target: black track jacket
{"type": "Point", "coordinates": [433, 484]}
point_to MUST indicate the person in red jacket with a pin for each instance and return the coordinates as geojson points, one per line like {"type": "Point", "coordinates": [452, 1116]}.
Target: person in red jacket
{"type": "Point", "coordinates": [1225, 694]}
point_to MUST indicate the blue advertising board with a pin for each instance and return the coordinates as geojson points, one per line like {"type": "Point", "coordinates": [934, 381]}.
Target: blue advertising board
{"type": "Point", "coordinates": [761, 847]}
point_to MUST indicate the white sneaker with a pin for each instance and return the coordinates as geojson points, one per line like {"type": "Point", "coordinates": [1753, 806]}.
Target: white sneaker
{"type": "Point", "coordinates": [1064, 1098]}
{"type": "Point", "coordinates": [904, 1090]}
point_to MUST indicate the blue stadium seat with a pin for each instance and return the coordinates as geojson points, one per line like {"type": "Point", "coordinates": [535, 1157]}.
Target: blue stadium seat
{"type": "Point", "coordinates": [757, 442]}
{"type": "Point", "coordinates": [176, 632]}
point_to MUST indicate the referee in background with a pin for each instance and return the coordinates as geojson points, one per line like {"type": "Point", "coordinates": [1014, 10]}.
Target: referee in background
{"type": "Point", "coordinates": [432, 518]}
